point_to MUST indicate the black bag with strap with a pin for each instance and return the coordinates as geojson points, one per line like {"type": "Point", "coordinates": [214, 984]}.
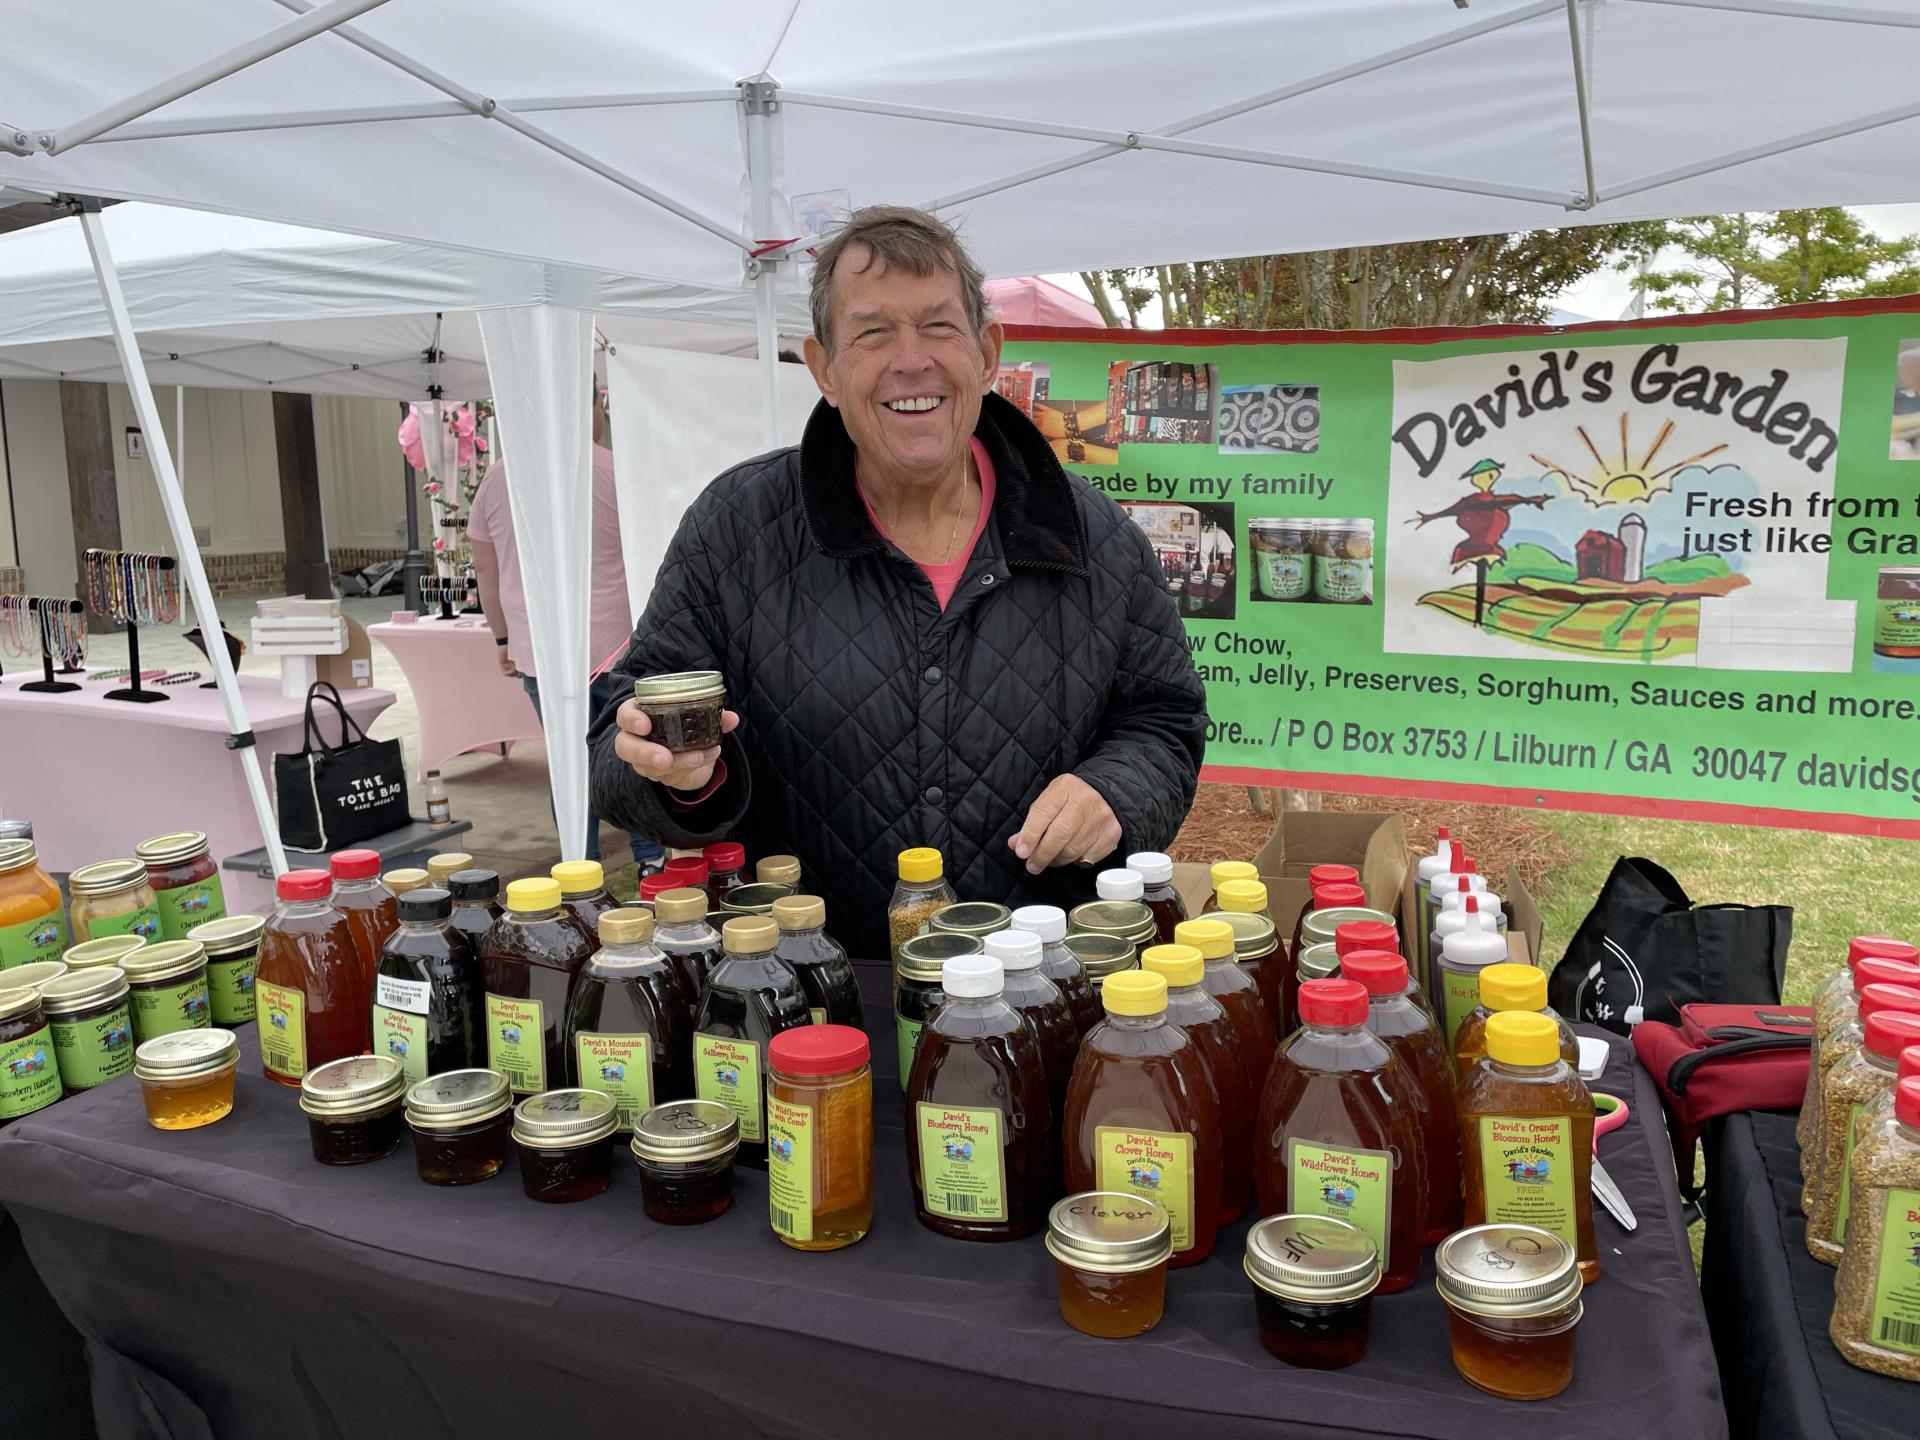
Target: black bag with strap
{"type": "Point", "coordinates": [330, 797]}
{"type": "Point", "coordinates": [1645, 949]}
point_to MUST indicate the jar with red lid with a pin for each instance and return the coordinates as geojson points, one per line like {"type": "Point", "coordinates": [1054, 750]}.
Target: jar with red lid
{"type": "Point", "coordinates": [726, 868]}
{"type": "Point", "coordinates": [691, 872]}
{"type": "Point", "coordinates": [185, 880]}
{"type": "Point", "coordinates": [819, 1136]}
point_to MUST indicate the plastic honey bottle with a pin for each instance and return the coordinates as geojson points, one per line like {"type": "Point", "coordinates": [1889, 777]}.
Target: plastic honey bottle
{"type": "Point", "coordinates": [1207, 1025]}
{"type": "Point", "coordinates": [1235, 990]}
{"type": "Point", "coordinates": [1507, 986]}
{"type": "Point", "coordinates": [1526, 1136]}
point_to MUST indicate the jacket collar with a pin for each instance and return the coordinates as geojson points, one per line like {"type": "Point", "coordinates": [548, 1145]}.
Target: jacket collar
{"type": "Point", "coordinates": [1033, 503]}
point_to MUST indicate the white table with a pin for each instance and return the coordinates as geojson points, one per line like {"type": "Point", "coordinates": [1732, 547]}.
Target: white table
{"type": "Point", "coordinates": [97, 776]}
{"type": "Point", "coordinates": [462, 700]}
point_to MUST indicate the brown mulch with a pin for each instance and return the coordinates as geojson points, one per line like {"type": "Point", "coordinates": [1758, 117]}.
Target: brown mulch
{"type": "Point", "coordinates": [1223, 825]}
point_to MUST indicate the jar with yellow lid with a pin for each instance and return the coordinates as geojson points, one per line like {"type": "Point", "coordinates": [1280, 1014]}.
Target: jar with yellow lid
{"type": "Point", "coordinates": [29, 1071]}
{"type": "Point", "coordinates": [583, 894]}
{"type": "Point", "coordinates": [1224, 871]}
{"type": "Point", "coordinates": [921, 890]}
{"type": "Point", "coordinates": [185, 880]}
{"type": "Point", "coordinates": [33, 924]}
{"type": "Point", "coordinates": [1110, 1252]}
{"type": "Point", "coordinates": [114, 897]}
{"type": "Point", "coordinates": [232, 944]}
{"type": "Point", "coordinates": [92, 1032]}
{"type": "Point", "coordinates": [107, 950]}
{"type": "Point", "coordinates": [1232, 987]}
{"type": "Point", "coordinates": [168, 988]}
{"type": "Point", "coordinates": [685, 708]}
{"type": "Point", "coordinates": [186, 1077]}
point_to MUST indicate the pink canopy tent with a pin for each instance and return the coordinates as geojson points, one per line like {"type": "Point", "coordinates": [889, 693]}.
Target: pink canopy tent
{"type": "Point", "coordinates": [1030, 300]}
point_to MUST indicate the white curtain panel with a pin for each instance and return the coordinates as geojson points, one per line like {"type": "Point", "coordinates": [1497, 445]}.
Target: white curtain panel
{"type": "Point", "coordinates": [679, 420]}
{"type": "Point", "coordinates": [541, 360]}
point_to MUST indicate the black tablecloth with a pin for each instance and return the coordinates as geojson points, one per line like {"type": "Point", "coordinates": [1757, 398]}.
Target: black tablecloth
{"type": "Point", "coordinates": [1769, 1301]}
{"type": "Point", "coordinates": [229, 1285]}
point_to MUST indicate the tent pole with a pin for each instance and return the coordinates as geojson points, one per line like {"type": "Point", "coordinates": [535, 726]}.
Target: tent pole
{"type": "Point", "coordinates": [415, 565]}
{"type": "Point", "coordinates": [1790, 10]}
{"type": "Point", "coordinates": [239, 733]}
{"type": "Point", "coordinates": [1580, 100]}
{"type": "Point", "coordinates": [761, 100]}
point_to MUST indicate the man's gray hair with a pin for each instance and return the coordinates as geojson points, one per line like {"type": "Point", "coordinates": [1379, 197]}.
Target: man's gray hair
{"type": "Point", "coordinates": [911, 239]}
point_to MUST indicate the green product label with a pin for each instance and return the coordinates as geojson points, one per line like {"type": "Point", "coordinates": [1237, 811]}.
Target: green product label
{"type": "Point", "coordinates": [620, 1066]}
{"type": "Point", "coordinates": [186, 907]}
{"type": "Point", "coordinates": [907, 1034]}
{"type": "Point", "coordinates": [1896, 625]}
{"type": "Point", "coordinates": [164, 1009]}
{"type": "Point", "coordinates": [230, 989]}
{"type": "Point", "coordinates": [403, 1036]}
{"type": "Point", "coordinates": [790, 1168]}
{"type": "Point", "coordinates": [818, 1015]}
{"type": "Point", "coordinates": [41, 939]}
{"type": "Point", "coordinates": [1895, 1321]}
{"type": "Point", "coordinates": [1845, 1202]}
{"type": "Point", "coordinates": [1152, 1164]}
{"type": "Point", "coordinates": [962, 1164]}
{"type": "Point", "coordinates": [1343, 581]}
{"type": "Point", "coordinates": [94, 1051]}
{"type": "Point", "coordinates": [1351, 1185]}
{"type": "Point", "coordinates": [144, 922]}
{"type": "Point", "coordinates": [1461, 998]}
{"type": "Point", "coordinates": [29, 1074]}
{"type": "Point", "coordinates": [280, 1015]}
{"type": "Point", "coordinates": [727, 1069]}
{"type": "Point", "coordinates": [1283, 575]}
{"type": "Point", "coordinates": [1526, 1167]}
{"type": "Point", "coordinates": [517, 1043]}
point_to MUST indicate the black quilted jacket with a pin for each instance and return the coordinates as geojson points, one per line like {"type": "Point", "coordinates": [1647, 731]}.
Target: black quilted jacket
{"type": "Point", "coordinates": [871, 721]}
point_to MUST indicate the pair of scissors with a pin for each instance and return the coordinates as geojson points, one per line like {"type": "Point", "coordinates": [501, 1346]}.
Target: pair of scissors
{"type": "Point", "coordinates": [1610, 1113]}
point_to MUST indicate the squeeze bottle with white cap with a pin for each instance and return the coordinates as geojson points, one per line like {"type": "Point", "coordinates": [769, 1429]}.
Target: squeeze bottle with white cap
{"type": "Point", "coordinates": [1449, 918]}
{"type": "Point", "coordinates": [980, 1136]}
{"type": "Point", "coordinates": [1058, 963]}
{"type": "Point", "coordinates": [1156, 873]}
{"type": "Point", "coordinates": [1440, 861]}
{"type": "Point", "coordinates": [1040, 1004]}
{"type": "Point", "coordinates": [1463, 955]}
{"type": "Point", "coordinates": [1119, 885]}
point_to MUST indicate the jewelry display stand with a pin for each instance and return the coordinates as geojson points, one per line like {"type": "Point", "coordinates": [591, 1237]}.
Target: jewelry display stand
{"type": "Point", "coordinates": [135, 589]}
{"type": "Point", "coordinates": [446, 591]}
{"type": "Point", "coordinates": [62, 628]}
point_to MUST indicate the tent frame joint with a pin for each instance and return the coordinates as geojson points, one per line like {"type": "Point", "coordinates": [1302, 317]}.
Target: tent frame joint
{"type": "Point", "coordinates": [760, 96]}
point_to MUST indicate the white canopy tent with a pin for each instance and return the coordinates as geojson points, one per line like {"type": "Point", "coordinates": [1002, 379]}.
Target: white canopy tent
{"type": "Point", "coordinates": [683, 142]}
{"type": "Point", "coordinates": [248, 304]}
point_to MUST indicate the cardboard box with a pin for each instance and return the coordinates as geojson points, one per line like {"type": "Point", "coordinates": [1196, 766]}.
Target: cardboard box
{"type": "Point", "coordinates": [352, 668]}
{"type": "Point", "coordinates": [1374, 844]}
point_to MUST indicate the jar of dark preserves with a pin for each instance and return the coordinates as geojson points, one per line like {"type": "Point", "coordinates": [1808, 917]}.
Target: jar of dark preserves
{"type": "Point", "coordinates": [684, 707]}
{"type": "Point", "coordinates": [684, 1152]}
{"type": "Point", "coordinates": [1313, 1282]}
{"type": "Point", "coordinates": [232, 944]}
{"type": "Point", "coordinates": [460, 1122]}
{"type": "Point", "coordinates": [186, 882]}
{"type": "Point", "coordinates": [353, 1108]}
{"type": "Point", "coordinates": [92, 1034]}
{"type": "Point", "coordinates": [563, 1140]}
{"type": "Point", "coordinates": [29, 1073]}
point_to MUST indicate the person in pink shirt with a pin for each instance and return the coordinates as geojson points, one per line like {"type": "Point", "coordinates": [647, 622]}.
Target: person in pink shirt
{"type": "Point", "coordinates": [503, 596]}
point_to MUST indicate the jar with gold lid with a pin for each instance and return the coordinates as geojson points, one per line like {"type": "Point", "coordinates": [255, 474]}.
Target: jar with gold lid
{"type": "Point", "coordinates": [918, 993]}
{"type": "Point", "coordinates": [460, 1121]}
{"type": "Point", "coordinates": [29, 1071]}
{"type": "Point", "coordinates": [185, 881]}
{"type": "Point", "coordinates": [353, 1108]}
{"type": "Point", "coordinates": [779, 870]}
{"type": "Point", "coordinates": [114, 897]}
{"type": "Point", "coordinates": [232, 944]}
{"type": "Point", "coordinates": [186, 1077]}
{"type": "Point", "coordinates": [1131, 920]}
{"type": "Point", "coordinates": [685, 707]}
{"type": "Point", "coordinates": [1102, 955]}
{"type": "Point", "coordinates": [92, 1032]}
{"type": "Point", "coordinates": [1313, 1282]}
{"type": "Point", "coordinates": [563, 1140]}
{"type": "Point", "coordinates": [1110, 1252]}
{"type": "Point", "coordinates": [33, 922]}
{"type": "Point", "coordinates": [32, 976]}
{"type": "Point", "coordinates": [1256, 948]}
{"type": "Point", "coordinates": [107, 950]}
{"type": "Point", "coordinates": [684, 1152]}
{"type": "Point", "coordinates": [975, 918]}
{"type": "Point", "coordinates": [1513, 1303]}
{"type": "Point", "coordinates": [168, 985]}
{"type": "Point", "coordinates": [755, 899]}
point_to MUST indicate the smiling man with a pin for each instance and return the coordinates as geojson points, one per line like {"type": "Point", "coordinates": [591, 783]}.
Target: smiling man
{"type": "Point", "coordinates": [930, 633]}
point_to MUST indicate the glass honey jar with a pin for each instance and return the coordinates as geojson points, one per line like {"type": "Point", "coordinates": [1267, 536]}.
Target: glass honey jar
{"type": "Point", "coordinates": [460, 1121]}
{"type": "Point", "coordinates": [1513, 1304]}
{"type": "Point", "coordinates": [684, 1152]}
{"type": "Point", "coordinates": [186, 1077]}
{"type": "Point", "coordinates": [1313, 1282]}
{"type": "Point", "coordinates": [354, 1108]}
{"type": "Point", "coordinates": [819, 1136]}
{"type": "Point", "coordinates": [1110, 1252]}
{"type": "Point", "coordinates": [563, 1141]}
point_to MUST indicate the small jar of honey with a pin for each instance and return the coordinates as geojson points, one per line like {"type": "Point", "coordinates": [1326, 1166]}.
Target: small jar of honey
{"type": "Point", "coordinates": [186, 1077]}
{"type": "Point", "coordinates": [460, 1121]}
{"type": "Point", "coordinates": [1313, 1282]}
{"type": "Point", "coordinates": [1513, 1304]}
{"type": "Point", "coordinates": [684, 1152]}
{"type": "Point", "coordinates": [1110, 1253]}
{"type": "Point", "coordinates": [562, 1138]}
{"type": "Point", "coordinates": [354, 1107]}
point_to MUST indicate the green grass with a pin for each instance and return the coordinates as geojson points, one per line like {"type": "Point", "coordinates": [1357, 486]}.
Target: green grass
{"type": "Point", "coordinates": [1838, 885]}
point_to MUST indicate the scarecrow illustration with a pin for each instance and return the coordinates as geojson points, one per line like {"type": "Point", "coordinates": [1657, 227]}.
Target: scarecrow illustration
{"type": "Point", "coordinates": [1483, 517]}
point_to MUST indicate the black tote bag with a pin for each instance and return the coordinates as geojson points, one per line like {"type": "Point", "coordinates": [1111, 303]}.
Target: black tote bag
{"type": "Point", "coordinates": [332, 796]}
{"type": "Point", "coordinates": [1645, 949]}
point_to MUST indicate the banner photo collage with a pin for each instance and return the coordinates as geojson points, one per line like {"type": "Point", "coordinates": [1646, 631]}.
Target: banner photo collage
{"type": "Point", "coordinates": [1660, 567]}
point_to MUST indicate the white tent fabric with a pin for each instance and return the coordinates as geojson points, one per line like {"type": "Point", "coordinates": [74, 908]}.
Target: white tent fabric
{"type": "Point", "coordinates": [615, 136]}
{"type": "Point", "coordinates": [678, 421]}
{"type": "Point", "coordinates": [231, 303]}
{"type": "Point", "coordinates": [541, 359]}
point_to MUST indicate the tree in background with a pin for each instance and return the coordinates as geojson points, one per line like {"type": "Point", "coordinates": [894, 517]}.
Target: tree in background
{"type": "Point", "coordinates": [1474, 280]}
{"type": "Point", "coordinates": [1782, 257]}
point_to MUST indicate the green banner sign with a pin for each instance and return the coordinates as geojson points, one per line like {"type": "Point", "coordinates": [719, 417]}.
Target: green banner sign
{"type": "Point", "coordinates": [1666, 567]}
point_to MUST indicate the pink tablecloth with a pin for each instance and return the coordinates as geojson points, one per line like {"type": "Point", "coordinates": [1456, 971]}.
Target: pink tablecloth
{"type": "Point", "coordinates": [97, 776]}
{"type": "Point", "coordinates": [462, 699]}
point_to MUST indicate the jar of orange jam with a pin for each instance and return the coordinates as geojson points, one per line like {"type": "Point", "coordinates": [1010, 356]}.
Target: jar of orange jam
{"type": "Point", "coordinates": [33, 926]}
{"type": "Point", "coordinates": [1110, 1253]}
{"type": "Point", "coordinates": [1513, 1304]}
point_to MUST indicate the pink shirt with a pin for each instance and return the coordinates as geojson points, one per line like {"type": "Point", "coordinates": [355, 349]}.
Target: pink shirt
{"type": "Point", "coordinates": [946, 578]}
{"type": "Point", "coordinates": [491, 520]}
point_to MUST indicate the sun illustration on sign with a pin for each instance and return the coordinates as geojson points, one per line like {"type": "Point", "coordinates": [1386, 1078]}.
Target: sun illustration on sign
{"type": "Point", "coordinates": [1625, 481]}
